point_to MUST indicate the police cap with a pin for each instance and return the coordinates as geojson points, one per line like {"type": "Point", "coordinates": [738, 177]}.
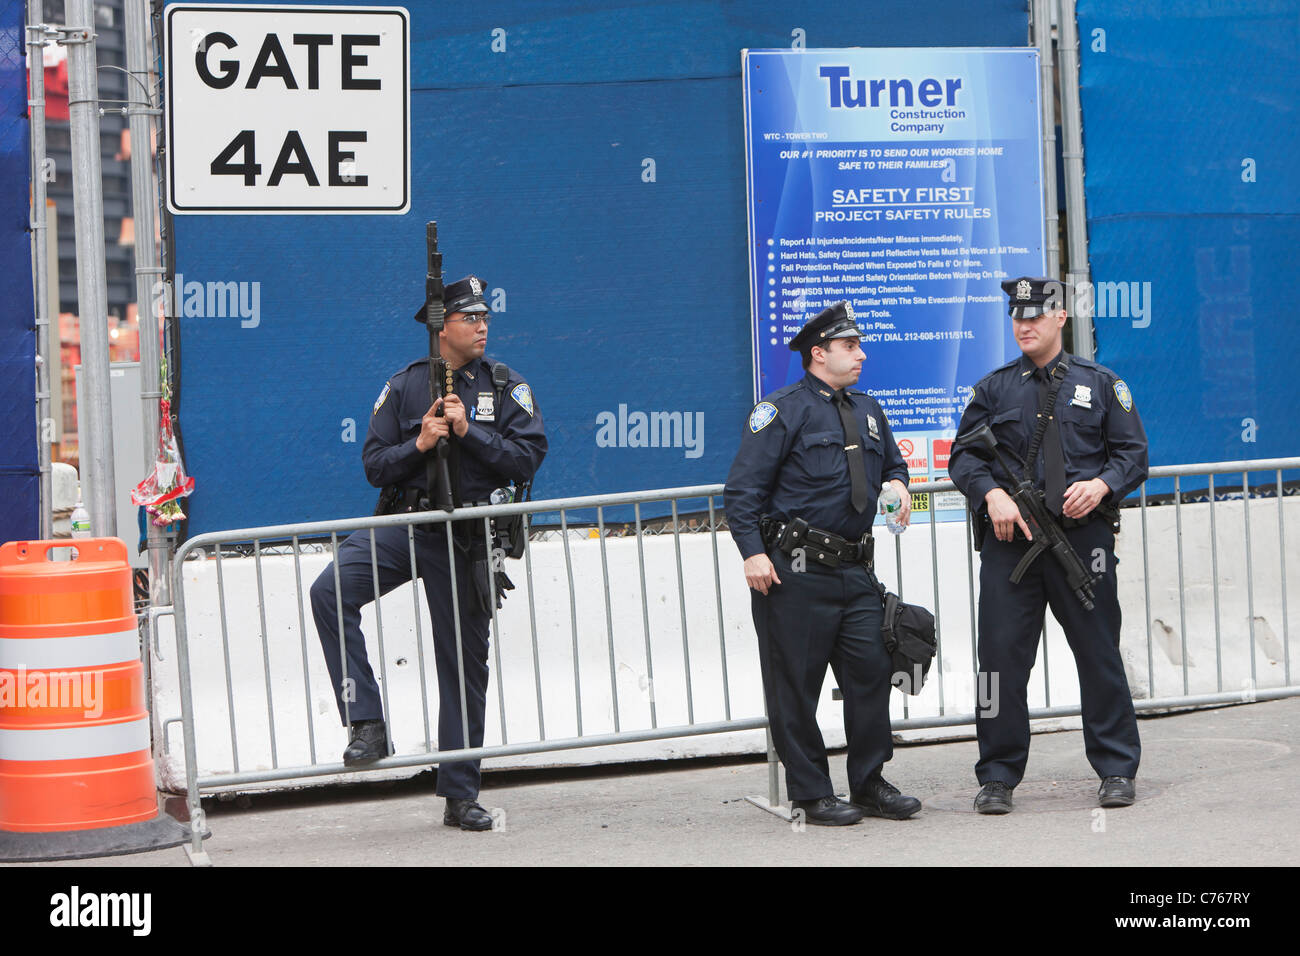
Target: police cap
{"type": "Point", "coordinates": [464, 295]}
{"type": "Point", "coordinates": [836, 322]}
{"type": "Point", "coordinates": [1030, 297]}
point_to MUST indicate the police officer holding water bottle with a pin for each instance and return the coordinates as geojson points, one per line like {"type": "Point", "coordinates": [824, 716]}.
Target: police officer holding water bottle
{"type": "Point", "coordinates": [800, 500]}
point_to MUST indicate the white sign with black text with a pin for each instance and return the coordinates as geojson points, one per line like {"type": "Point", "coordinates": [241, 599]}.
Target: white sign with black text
{"type": "Point", "coordinates": [274, 109]}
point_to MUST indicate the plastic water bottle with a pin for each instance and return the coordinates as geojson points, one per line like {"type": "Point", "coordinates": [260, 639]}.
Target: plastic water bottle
{"type": "Point", "coordinates": [80, 520]}
{"type": "Point", "coordinates": [890, 503]}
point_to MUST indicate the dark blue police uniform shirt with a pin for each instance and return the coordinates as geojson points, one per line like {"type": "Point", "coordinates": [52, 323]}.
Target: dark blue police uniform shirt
{"type": "Point", "coordinates": [792, 463]}
{"type": "Point", "coordinates": [1100, 437]}
{"type": "Point", "coordinates": [505, 440]}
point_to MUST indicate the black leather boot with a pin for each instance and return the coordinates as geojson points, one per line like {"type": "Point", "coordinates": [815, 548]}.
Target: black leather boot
{"type": "Point", "coordinates": [369, 743]}
{"type": "Point", "coordinates": [466, 814]}
{"type": "Point", "coordinates": [994, 797]}
{"type": "Point", "coordinates": [827, 812]}
{"type": "Point", "coordinates": [882, 799]}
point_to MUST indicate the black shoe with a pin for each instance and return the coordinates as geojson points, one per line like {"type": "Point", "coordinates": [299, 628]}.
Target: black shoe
{"type": "Point", "coordinates": [466, 814]}
{"type": "Point", "coordinates": [882, 799]}
{"type": "Point", "coordinates": [827, 812]}
{"type": "Point", "coordinates": [994, 797]}
{"type": "Point", "coordinates": [369, 743]}
{"type": "Point", "coordinates": [1115, 792]}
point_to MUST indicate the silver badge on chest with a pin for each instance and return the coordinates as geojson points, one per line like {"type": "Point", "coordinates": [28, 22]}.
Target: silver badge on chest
{"type": "Point", "coordinates": [485, 411]}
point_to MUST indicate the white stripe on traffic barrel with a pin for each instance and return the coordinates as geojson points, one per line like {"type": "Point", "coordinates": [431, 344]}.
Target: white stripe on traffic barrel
{"type": "Point", "coordinates": [75, 743]}
{"type": "Point", "coordinates": [91, 650]}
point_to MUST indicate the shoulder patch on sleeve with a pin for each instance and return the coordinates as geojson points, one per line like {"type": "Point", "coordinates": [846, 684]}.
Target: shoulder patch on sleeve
{"type": "Point", "coordinates": [382, 396]}
{"type": "Point", "coordinates": [761, 416]}
{"type": "Point", "coordinates": [1124, 395]}
{"type": "Point", "coordinates": [522, 394]}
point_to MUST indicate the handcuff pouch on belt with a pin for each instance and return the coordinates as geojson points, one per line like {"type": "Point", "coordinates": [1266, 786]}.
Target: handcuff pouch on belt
{"type": "Point", "coordinates": [509, 538]}
{"type": "Point", "coordinates": [395, 500]}
{"type": "Point", "coordinates": [512, 530]}
{"type": "Point", "coordinates": [908, 632]}
{"type": "Point", "coordinates": [483, 563]}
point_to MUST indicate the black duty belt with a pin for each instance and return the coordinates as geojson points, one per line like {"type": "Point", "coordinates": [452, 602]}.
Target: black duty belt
{"type": "Point", "coordinates": [409, 498]}
{"type": "Point", "coordinates": [823, 547]}
{"type": "Point", "coordinates": [1107, 512]}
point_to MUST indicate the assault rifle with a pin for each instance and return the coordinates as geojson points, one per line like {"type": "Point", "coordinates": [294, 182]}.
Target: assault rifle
{"type": "Point", "coordinates": [1047, 534]}
{"type": "Point", "coordinates": [437, 472]}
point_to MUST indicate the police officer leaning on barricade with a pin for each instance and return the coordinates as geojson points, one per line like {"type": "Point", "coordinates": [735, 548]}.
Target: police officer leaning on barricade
{"type": "Point", "coordinates": [498, 439]}
{"type": "Point", "coordinates": [1091, 452]}
{"type": "Point", "coordinates": [800, 499]}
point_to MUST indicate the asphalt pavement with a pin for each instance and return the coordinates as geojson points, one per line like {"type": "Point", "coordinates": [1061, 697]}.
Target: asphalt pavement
{"type": "Point", "coordinates": [1217, 788]}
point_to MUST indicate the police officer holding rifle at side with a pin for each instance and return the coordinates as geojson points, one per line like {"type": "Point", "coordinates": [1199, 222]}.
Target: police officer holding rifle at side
{"type": "Point", "coordinates": [450, 430]}
{"type": "Point", "coordinates": [1047, 448]}
{"type": "Point", "coordinates": [800, 500]}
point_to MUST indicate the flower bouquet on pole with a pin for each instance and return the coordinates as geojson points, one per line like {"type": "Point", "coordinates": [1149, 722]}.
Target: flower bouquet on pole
{"type": "Point", "coordinates": [161, 492]}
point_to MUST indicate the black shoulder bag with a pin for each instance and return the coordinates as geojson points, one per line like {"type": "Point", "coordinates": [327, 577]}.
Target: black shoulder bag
{"type": "Point", "coordinates": [908, 630]}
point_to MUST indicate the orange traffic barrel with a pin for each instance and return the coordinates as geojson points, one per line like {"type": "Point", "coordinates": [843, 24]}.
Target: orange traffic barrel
{"type": "Point", "coordinates": [74, 731]}
{"type": "Point", "coordinates": [75, 751]}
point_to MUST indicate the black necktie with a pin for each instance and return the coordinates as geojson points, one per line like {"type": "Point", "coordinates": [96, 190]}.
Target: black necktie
{"type": "Point", "coordinates": [1053, 459]}
{"type": "Point", "coordinates": [853, 448]}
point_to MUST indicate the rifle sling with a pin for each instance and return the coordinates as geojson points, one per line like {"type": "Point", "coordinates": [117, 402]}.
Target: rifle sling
{"type": "Point", "coordinates": [1044, 416]}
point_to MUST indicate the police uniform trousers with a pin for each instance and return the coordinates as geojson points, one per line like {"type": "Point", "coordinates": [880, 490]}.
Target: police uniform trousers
{"type": "Point", "coordinates": [356, 584]}
{"type": "Point", "coordinates": [1010, 624]}
{"type": "Point", "coordinates": [816, 617]}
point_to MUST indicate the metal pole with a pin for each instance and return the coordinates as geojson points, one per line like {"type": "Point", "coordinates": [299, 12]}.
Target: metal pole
{"type": "Point", "coordinates": [266, 647]}
{"type": "Point", "coordinates": [1214, 576]}
{"type": "Point", "coordinates": [193, 800]}
{"type": "Point", "coordinates": [773, 777]}
{"type": "Point", "coordinates": [1046, 86]}
{"type": "Point", "coordinates": [419, 639]}
{"type": "Point", "coordinates": [1182, 602]}
{"type": "Point", "coordinates": [148, 272]}
{"type": "Point", "coordinates": [573, 619]}
{"type": "Point", "coordinates": [609, 617]}
{"type": "Point", "coordinates": [302, 640]}
{"type": "Point", "coordinates": [1250, 575]}
{"type": "Point", "coordinates": [1146, 592]}
{"type": "Point", "coordinates": [1076, 208]}
{"type": "Point", "coordinates": [40, 261]}
{"type": "Point", "coordinates": [96, 436]}
{"type": "Point", "coordinates": [1281, 547]}
{"type": "Point", "coordinates": [938, 618]}
{"type": "Point", "coordinates": [681, 604]}
{"type": "Point", "coordinates": [225, 656]}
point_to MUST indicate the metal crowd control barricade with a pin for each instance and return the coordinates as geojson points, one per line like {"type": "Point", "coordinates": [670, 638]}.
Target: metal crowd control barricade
{"type": "Point", "coordinates": [1155, 598]}
{"type": "Point", "coordinates": [679, 646]}
{"type": "Point", "coordinates": [656, 644]}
